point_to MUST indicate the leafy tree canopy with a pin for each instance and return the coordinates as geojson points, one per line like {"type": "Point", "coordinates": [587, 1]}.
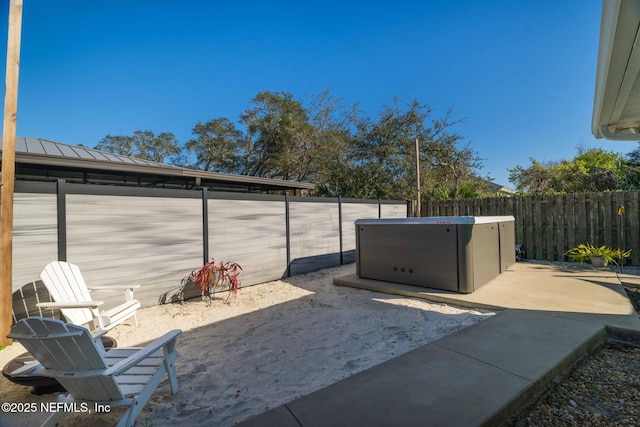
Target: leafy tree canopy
{"type": "Point", "coordinates": [145, 145]}
{"type": "Point", "coordinates": [325, 142]}
{"type": "Point", "coordinates": [591, 169]}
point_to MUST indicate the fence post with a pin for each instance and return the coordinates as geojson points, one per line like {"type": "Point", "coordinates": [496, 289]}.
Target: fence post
{"type": "Point", "coordinates": [205, 226]}
{"type": "Point", "coordinates": [287, 232]}
{"type": "Point", "coordinates": [340, 227]}
{"type": "Point", "coordinates": [62, 220]}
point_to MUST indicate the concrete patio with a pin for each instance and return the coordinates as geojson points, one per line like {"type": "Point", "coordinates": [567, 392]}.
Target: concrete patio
{"type": "Point", "coordinates": [551, 316]}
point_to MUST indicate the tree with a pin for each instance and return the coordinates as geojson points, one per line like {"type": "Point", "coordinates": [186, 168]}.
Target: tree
{"type": "Point", "coordinates": [123, 145]}
{"type": "Point", "coordinates": [536, 179]}
{"type": "Point", "coordinates": [451, 167]}
{"type": "Point", "coordinates": [218, 146]}
{"type": "Point", "coordinates": [163, 147]}
{"type": "Point", "coordinates": [342, 151]}
{"type": "Point", "coordinates": [591, 169]}
{"type": "Point", "coordinates": [631, 170]}
{"type": "Point", "coordinates": [145, 145]}
{"type": "Point", "coordinates": [385, 149]}
{"type": "Point", "coordinates": [331, 146]}
{"type": "Point", "coordinates": [278, 133]}
{"type": "Point", "coordinates": [282, 139]}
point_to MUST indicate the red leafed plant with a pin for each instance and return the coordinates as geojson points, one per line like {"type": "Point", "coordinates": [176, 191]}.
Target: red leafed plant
{"type": "Point", "coordinates": [212, 277]}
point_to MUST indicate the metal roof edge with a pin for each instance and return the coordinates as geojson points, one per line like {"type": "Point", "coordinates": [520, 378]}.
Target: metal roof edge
{"type": "Point", "coordinates": [62, 161]}
{"type": "Point", "coordinates": [195, 173]}
{"type": "Point", "coordinates": [141, 166]}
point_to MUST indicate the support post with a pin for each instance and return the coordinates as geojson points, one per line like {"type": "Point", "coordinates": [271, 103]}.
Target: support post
{"type": "Point", "coordinates": [418, 201]}
{"type": "Point", "coordinates": [8, 167]}
{"type": "Point", "coordinates": [287, 232]}
{"type": "Point", "coordinates": [340, 227]}
{"type": "Point", "coordinates": [205, 226]}
{"type": "Point", "coordinates": [62, 220]}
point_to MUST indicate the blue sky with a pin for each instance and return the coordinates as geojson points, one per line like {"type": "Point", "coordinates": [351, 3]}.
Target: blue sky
{"type": "Point", "coordinates": [521, 73]}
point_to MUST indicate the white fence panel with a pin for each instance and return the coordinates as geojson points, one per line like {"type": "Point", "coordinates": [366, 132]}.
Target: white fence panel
{"type": "Point", "coordinates": [393, 210]}
{"type": "Point", "coordinates": [156, 237]}
{"type": "Point", "coordinates": [35, 236]}
{"type": "Point", "coordinates": [150, 241]}
{"type": "Point", "coordinates": [350, 213]}
{"type": "Point", "coordinates": [314, 234]}
{"type": "Point", "coordinates": [251, 233]}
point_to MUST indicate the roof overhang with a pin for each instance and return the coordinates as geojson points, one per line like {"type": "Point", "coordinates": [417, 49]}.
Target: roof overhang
{"type": "Point", "coordinates": [165, 170]}
{"type": "Point", "coordinates": [41, 153]}
{"type": "Point", "coordinates": [616, 111]}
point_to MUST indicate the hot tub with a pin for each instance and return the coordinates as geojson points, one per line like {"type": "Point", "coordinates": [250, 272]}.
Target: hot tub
{"type": "Point", "coordinates": [450, 253]}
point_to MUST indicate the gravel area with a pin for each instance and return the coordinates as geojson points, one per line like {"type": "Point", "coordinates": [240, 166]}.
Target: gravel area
{"type": "Point", "coordinates": [602, 391]}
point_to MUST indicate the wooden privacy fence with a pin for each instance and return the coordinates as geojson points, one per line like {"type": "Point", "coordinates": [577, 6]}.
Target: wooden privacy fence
{"type": "Point", "coordinates": [550, 225]}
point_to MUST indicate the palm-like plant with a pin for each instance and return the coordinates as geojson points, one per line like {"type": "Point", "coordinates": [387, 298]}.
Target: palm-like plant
{"type": "Point", "coordinates": [584, 251]}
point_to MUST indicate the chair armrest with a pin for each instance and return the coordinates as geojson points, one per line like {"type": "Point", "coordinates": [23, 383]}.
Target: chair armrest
{"type": "Point", "coordinates": [128, 290]}
{"type": "Point", "coordinates": [99, 334]}
{"type": "Point", "coordinates": [143, 353]}
{"type": "Point", "coordinates": [70, 304]}
{"type": "Point", "coordinates": [114, 287]}
{"type": "Point", "coordinates": [27, 368]}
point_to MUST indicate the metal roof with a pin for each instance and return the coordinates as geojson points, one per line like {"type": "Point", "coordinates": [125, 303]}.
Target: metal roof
{"type": "Point", "coordinates": [36, 154]}
{"type": "Point", "coordinates": [51, 148]}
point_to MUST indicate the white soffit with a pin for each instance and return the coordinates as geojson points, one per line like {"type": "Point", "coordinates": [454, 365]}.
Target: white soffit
{"type": "Point", "coordinates": [616, 111]}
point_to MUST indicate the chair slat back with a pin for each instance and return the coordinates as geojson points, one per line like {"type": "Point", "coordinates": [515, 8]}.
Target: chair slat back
{"type": "Point", "coordinates": [71, 354]}
{"type": "Point", "coordinates": [65, 283]}
{"type": "Point", "coordinates": [59, 346]}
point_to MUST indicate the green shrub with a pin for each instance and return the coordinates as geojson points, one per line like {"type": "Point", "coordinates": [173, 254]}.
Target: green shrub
{"type": "Point", "coordinates": [584, 251]}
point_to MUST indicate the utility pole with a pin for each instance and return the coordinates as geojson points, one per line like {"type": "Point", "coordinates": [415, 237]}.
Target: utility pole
{"type": "Point", "coordinates": [418, 213]}
{"type": "Point", "coordinates": [9, 167]}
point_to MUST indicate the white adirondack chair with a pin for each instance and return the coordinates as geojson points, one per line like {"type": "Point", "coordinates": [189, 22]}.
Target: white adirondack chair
{"type": "Point", "coordinates": [120, 377]}
{"type": "Point", "coordinates": [71, 295]}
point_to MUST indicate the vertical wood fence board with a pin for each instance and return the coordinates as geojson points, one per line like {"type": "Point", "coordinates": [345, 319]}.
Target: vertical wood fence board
{"type": "Point", "coordinates": [538, 224]}
{"type": "Point", "coordinates": [548, 226]}
{"type": "Point", "coordinates": [620, 220]}
{"type": "Point", "coordinates": [572, 222]}
{"type": "Point", "coordinates": [581, 215]}
{"type": "Point", "coordinates": [628, 227]}
{"type": "Point", "coordinates": [528, 225]}
{"type": "Point", "coordinates": [595, 217]}
{"type": "Point", "coordinates": [559, 243]}
{"type": "Point", "coordinates": [633, 236]}
{"type": "Point", "coordinates": [608, 219]}
{"type": "Point", "coordinates": [518, 213]}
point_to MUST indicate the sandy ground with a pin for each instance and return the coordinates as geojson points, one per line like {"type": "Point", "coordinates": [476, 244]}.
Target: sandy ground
{"type": "Point", "coordinates": [271, 344]}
